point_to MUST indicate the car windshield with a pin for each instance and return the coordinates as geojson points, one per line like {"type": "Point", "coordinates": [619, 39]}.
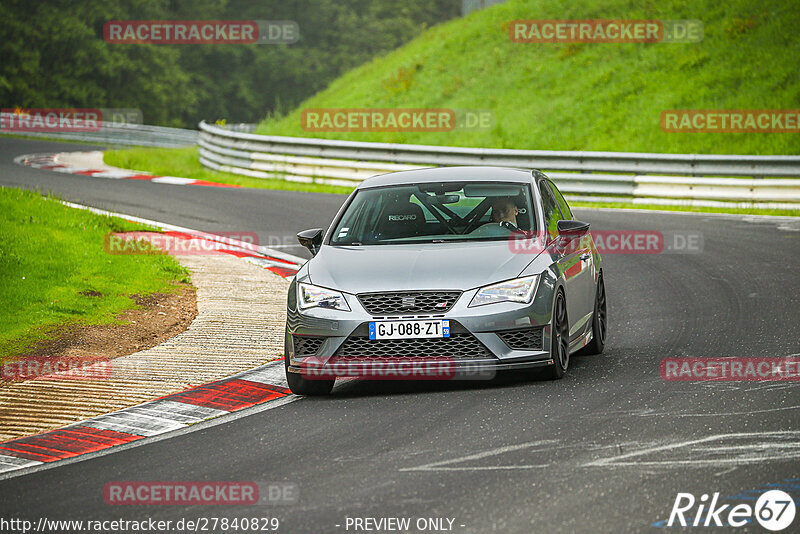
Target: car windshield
{"type": "Point", "coordinates": [436, 212]}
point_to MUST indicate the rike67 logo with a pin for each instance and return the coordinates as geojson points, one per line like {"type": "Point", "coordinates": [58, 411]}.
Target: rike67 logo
{"type": "Point", "coordinates": [774, 510]}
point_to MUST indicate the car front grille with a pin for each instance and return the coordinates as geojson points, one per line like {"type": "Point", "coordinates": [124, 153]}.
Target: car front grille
{"type": "Point", "coordinates": [307, 345]}
{"type": "Point", "coordinates": [462, 346]}
{"type": "Point", "coordinates": [408, 302]}
{"type": "Point", "coordinates": [523, 338]}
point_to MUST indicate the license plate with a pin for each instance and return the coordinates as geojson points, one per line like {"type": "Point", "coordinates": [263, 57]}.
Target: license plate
{"type": "Point", "coordinates": [409, 329]}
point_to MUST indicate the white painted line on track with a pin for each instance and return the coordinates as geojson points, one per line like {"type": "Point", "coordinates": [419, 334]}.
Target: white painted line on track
{"type": "Point", "coordinates": [266, 374]}
{"type": "Point", "coordinates": [159, 419]}
{"type": "Point", "coordinates": [70, 170]}
{"type": "Point", "coordinates": [117, 175]}
{"type": "Point", "coordinates": [131, 422]}
{"type": "Point", "coordinates": [230, 417]}
{"type": "Point", "coordinates": [173, 180]}
{"type": "Point", "coordinates": [721, 451]}
{"type": "Point", "coordinates": [178, 412]}
{"type": "Point", "coordinates": [768, 446]}
{"type": "Point", "coordinates": [213, 237]}
{"type": "Point", "coordinates": [441, 466]}
{"type": "Point", "coordinates": [12, 463]}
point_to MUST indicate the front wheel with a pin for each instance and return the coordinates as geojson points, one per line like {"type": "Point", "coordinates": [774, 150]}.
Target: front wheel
{"type": "Point", "coordinates": [300, 385]}
{"type": "Point", "coordinates": [559, 339]}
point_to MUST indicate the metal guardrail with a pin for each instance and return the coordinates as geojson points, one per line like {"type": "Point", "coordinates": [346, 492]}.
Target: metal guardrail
{"type": "Point", "coordinates": [680, 179]}
{"type": "Point", "coordinates": [764, 181]}
{"type": "Point", "coordinates": [111, 133]}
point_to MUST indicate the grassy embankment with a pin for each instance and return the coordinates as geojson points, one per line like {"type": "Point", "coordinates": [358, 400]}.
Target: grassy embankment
{"type": "Point", "coordinates": [54, 270]}
{"type": "Point", "coordinates": [590, 96]}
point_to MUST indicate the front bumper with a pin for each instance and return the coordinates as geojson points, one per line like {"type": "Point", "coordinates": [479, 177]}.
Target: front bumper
{"type": "Point", "coordinates": [487, 325]}
{"type": "Point", "coordinates": [432, 369]}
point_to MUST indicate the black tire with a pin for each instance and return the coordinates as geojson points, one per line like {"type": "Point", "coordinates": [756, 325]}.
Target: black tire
{"type": "Point", "coordinates": [559, 338]}
{"type": "Point", "coordinates": [599, 321]}
{"type": "Point", "coordinates": [300, 385]}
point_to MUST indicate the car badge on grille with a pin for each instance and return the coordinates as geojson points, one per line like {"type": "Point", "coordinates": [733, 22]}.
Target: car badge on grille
{"type": "Point", "coordinates": [408, 302]}
{"type": "Point", "coordinates": [441, 305]}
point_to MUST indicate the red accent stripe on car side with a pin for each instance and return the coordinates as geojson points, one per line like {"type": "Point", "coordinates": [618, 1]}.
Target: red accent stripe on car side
{"type": "Point", "coordinates": [573, 271]}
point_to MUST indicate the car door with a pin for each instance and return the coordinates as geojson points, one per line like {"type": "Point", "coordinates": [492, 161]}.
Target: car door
{"type": "Point", "coordinates": [581, 269]}
{"type": "Point", "coordinates": [575, 263]}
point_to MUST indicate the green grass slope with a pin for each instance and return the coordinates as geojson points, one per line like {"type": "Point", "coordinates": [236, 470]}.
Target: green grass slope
{"type": "Point", "coordinates": [54, 270]}
{"type": "Point", "coordinates": [592, 96]}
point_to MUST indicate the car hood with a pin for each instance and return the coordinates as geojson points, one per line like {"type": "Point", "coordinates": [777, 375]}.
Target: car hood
{"type": "Point", "coordinates": [419, 266]}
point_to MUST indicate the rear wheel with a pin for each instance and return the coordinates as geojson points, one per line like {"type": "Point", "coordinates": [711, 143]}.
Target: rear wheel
{"type": "Point", "coordinates": [300, 385]}
{"type": "Point", "coordinates": [599, 320]}
{"type": "Point", "coordinates": [559, 338]}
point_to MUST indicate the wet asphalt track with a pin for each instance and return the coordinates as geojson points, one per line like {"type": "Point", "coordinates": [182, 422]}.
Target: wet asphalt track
{"type": "Point", "coordinates": [606, 449]}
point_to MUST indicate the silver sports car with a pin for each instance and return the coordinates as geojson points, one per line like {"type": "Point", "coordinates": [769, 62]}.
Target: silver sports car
{"type": "Point", "coordinates": [445, 273]}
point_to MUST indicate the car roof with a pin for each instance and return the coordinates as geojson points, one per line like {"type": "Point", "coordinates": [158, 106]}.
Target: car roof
{"type": "Point", "coordinates": [449, 174]}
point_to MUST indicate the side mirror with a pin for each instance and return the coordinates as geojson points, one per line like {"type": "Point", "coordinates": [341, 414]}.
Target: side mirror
{"type": "Point", "coordinates": [568, 231]}
{"type": "Point", "coordinates": [311, 239]}
{"type": "Point", "coordinates": [572, 229]}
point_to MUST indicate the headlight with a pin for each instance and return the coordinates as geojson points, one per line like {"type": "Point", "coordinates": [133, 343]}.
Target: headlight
{"type": "Point", "coordinates": [517, 290]}
{"type": "Point", "coordinates": [309, 296]}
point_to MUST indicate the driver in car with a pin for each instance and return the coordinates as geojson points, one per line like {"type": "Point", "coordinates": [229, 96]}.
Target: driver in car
{"type": "Point", "coordinates": [504, 210]}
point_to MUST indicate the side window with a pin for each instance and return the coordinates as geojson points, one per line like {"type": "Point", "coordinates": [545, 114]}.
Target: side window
{"type": "Point", "coordinates": [562, 204]}
{"type": "Point", "coordinates": [550, 209]}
